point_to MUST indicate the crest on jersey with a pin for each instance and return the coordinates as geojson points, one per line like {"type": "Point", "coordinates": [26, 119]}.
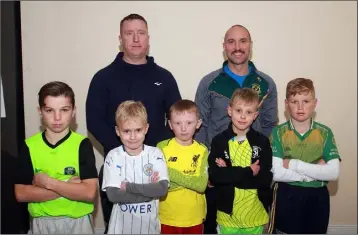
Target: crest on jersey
{"type": "Point", "coordinates": [148, 169]}
{"type": "Point", "coordinates": [255, 151]}
{"type": "Point", "coordinates": [195, 160]}
{"type": "Point", "coordinates": [257, 88]}
{"type": "Point", "coordinates": [226, 155]}
{"type": "Point", "coordinates": [70, 170]}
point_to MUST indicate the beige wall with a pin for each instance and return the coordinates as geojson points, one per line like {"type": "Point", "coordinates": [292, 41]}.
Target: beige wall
{"type": "Point", "coordinates": [70, 41]}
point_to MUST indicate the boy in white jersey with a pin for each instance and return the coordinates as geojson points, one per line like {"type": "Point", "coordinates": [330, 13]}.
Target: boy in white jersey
{"type": "Point", "coordinates": [134, 175]}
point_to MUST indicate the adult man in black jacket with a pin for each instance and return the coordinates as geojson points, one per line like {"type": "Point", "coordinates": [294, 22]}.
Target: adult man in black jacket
{"type": "Point", "coordinates": [133, 75]}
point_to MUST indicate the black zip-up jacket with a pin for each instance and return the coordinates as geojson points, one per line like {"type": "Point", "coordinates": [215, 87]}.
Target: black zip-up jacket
{"type": "Point", "coordinates": [225, 179]}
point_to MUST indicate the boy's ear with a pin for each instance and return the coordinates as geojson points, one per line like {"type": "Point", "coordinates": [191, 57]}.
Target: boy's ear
{"type": "Point", "coordinates": [170, 124]}
{"type": "Point", "coordinates": [229, 110]}
{"type": "Point", "coordinates": [199, 123]}
{"type": "Point", "coordinates": [256, 114]}
{"type": "Point", "coordinates": [147, 128]}
{"type": "Point", "coordinates": [117, 130]}
{"type": "Point", "coordinates": [74, 111]}
{"type": "Point", "coordinates": [39, 110]}
{"type": "Point", "coordinates": [315, 102]}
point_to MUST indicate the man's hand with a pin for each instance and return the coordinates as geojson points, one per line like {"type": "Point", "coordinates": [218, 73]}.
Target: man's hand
{"type": "Point", "coordinates": [75, 180]}
{"type": "Point", "coordinates": [155, 177]}
{"type": "Point", "coordinates": [286, 163]}
{"type": "Point", "coordinates": [321, 162]}
{"type": "Point", "coordinates": [220, 162]}
{"type": "Point", "coordinates": [41, 180]}
{"type": "Point", "coordinates": [255, 167]}
{"type": "Point", "coordinates": [210, 185]}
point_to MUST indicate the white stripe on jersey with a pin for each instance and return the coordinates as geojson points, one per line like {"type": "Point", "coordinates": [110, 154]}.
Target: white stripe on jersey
{"type": "Point", "coordinates": [134, 218]}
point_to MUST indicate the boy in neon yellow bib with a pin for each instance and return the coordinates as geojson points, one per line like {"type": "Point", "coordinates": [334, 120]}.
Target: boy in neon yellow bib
{"type": "Point", "coordinates": [57, 173]}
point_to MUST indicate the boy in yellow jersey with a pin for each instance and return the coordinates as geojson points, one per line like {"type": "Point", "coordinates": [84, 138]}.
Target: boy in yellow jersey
{"type": "Point", "coordinates": [57, 173]}
{"type": "Point", "coordinates": [240, 164]}
{"type": "Point", "coordinates": [183, 210]}
{"type": "Point", "coordinates": [305, 158]}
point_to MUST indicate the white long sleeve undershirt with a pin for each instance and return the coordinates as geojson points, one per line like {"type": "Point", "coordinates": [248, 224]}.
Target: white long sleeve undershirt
{"type": "Point", "coordinates": [281, 174]}
{"type": "Point", "coordinates": [327, 172]}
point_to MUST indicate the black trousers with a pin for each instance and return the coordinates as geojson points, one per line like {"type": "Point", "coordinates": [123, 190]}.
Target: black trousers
{"type": "Point", "coordinates": [210, 221]}
{"type": "Point", "coordinates": [106, 204]}
{"type": "Point", "coordinates": [300, 210]}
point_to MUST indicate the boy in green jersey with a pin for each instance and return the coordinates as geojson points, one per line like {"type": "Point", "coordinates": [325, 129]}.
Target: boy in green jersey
{"type": "Point", "coordinates": [305, 158]}
{"type": "Point", "coordinates": [57, 174]}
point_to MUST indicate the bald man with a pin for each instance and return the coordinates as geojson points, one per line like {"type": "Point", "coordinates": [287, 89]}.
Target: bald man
{"type": "Point", "coordinates": [213, 95]}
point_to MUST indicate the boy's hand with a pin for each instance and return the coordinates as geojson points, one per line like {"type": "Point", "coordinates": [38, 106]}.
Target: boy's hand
{"type": "Point", "coordinates": [155, 177]}
{"type": "Point", "coordinates": [41, 180]}
{"type": "Point", "coordinates": [210, 185]}
{"type": "Point", "coordinates": [220, 162]}
{"type": "Point", "coordinates": [123, 186]}
{"type": "Point", "coordinates": [255, 167]}
{"type": "Point", "coordinates": [286, 163]}
{"type": "Point", "coordinates": [75, 180]}
{"type": "Point", "coordinates": [321, 162]}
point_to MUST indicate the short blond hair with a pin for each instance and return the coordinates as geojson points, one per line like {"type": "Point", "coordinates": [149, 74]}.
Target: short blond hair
{"type": "Point", "coordinates": [248, 95]}
{"type": "Point", "coordinates": [182, 106]}
{"type": "Point", "coordinates": [131, 109]}
{"type": "Point", "coordinates": [298, 86]}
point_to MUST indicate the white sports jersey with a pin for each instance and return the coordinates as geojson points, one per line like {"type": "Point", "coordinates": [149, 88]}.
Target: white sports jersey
{"type": "Point", "coordinates": [134, 218]}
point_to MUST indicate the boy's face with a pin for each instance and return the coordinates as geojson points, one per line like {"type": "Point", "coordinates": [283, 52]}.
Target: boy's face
{"type": "Point", "coordinates": [132, 133]}
{"type": "Point", "coordinates": [184, 126]}
{"type": "Point", "coordinates": [242, 115]}
{"type": "Point", "coordinates": [57, 113]}
{"type": "Point", "coordinates": [301, 106]}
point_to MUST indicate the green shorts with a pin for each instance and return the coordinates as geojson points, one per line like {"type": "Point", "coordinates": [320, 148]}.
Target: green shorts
{"type": "Point", "coordinates": [228, 230]}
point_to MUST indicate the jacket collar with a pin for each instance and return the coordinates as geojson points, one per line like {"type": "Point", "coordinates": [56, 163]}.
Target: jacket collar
{"type": "Point", "coordinates": [251, 64]}
{"type": "Point", "coordinates": [229, 132]}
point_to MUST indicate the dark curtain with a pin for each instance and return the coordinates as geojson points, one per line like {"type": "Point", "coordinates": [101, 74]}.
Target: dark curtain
{"type": "Point", "coordinates": [14, 215]}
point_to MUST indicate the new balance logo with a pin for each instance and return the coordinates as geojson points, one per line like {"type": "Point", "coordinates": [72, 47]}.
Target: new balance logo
{"type": "Point", "coordinates": [158, 83]}
{"type": "Point", "coordinates": [172, 159]}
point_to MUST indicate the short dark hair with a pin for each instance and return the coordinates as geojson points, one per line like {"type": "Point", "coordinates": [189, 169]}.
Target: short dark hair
{"type": "Point", "coordinates": [133, 16]}
{"type": "Point", "coordinates": [55, 89]}
{"type": "Point", "coordinates": [182, 106]}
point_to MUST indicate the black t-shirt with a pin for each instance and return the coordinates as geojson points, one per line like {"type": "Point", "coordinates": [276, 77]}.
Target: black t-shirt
{"type": "Point", "coordinates": [87, 161]}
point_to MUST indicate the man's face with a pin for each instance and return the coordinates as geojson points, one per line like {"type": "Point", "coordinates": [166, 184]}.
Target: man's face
{"type": "Point", "coordinates": [134, 39]}
{"type": "Point", "coordinates": [237, 45]}
{"type": "Point", "coordinates": [57, 113]}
